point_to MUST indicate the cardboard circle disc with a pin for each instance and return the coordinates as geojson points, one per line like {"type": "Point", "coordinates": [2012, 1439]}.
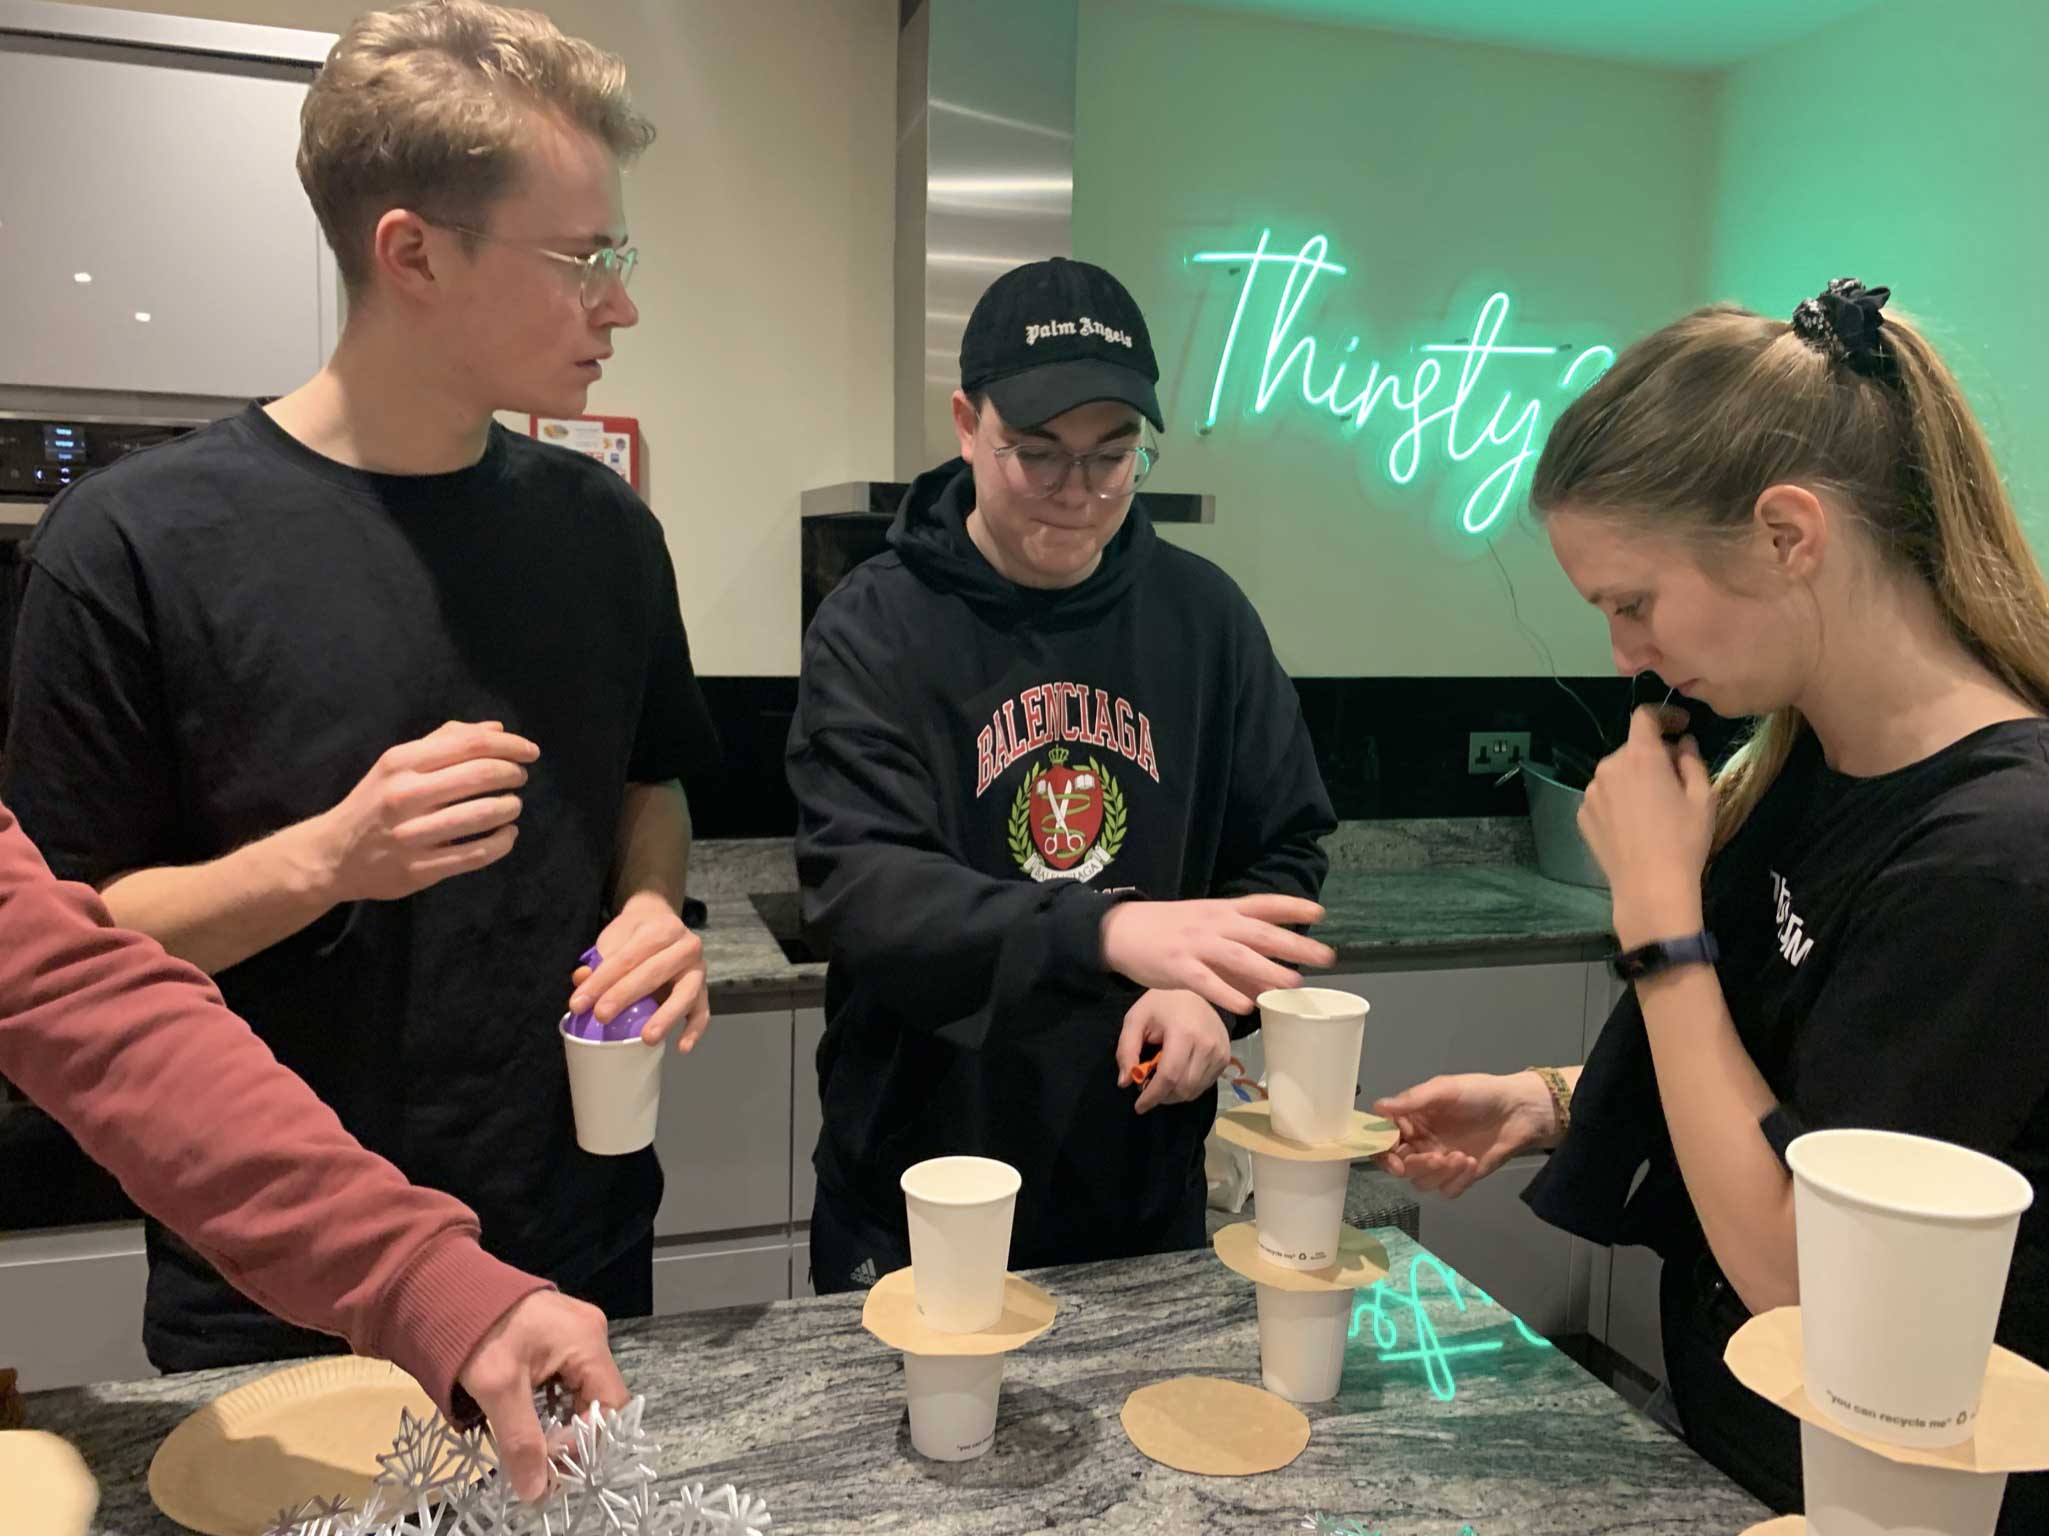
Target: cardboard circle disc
{"type": "Point", "coordinates": [1361, 1261]}
{"type": "Point", "coordinates": [1214, 1428]}
{"type": "Point", "coordinates": [1250, 1126]}
{"type": "Point", "coordinates": [892, 1315]}
{"type": "Point", "coordinates": [2011, 1435]}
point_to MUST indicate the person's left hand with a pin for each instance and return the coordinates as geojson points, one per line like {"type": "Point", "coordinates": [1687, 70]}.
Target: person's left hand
{"type": "Point", "coordinates": [647, 953]}
{"type": "Point", "coordinates": [1649, 817]}
{"type": "Point", "coordinates": [1194, 1047]}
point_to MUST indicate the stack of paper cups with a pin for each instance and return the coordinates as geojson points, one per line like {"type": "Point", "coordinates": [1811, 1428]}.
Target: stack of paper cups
{"type": "Point", "coordinates": [960, 1211]}
{"type": "Point", "coordinates": [1904, 1247]}
{"type": "Point", "coordinates": [1294, 1249]}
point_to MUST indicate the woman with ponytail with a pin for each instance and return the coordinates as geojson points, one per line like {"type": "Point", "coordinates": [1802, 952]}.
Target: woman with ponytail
{"type": "Point", "coordinates": [1848, 925]}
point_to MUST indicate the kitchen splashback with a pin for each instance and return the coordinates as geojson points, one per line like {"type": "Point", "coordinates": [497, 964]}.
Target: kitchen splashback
{"type": "Point", "coordinates": [1390, 748]}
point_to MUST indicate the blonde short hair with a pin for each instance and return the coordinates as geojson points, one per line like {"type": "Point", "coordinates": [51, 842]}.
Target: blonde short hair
{"type": "Point", "coordinates": [426, 107]}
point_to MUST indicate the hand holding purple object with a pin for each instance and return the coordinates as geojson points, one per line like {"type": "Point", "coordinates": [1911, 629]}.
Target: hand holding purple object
{"type": "Point", "coordinates": [627, 1026]}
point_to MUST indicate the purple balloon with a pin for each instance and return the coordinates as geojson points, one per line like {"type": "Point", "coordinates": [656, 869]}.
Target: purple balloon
{"type": "Point", "coordinates": [627, 1026]}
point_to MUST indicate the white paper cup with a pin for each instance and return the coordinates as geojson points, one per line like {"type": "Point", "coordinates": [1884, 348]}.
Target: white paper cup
{"type": "Point", "coordinates": [1904, 1247]}
{"type": "Point", "coordinates": [1300, 1209]}
{"type": "Point", "coordinates": [1313, 1036]}
{"type": "Point", "coordinates": [953, 1404]}
{"type": "Point", "coordinates": [1854, 1492]}
{"type": "Point", "coordinates": [1302, 1342]}
{"type": "Point", "coordinates": [615, 1093]}
{"type": "Point", "coordinates": [960, 1209]}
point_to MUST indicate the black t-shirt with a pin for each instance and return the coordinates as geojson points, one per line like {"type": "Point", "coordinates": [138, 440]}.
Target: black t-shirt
{"type": "Point", "coordinates": [219, 638]}
{"type": "Point", "coordinates": [1885, 957]}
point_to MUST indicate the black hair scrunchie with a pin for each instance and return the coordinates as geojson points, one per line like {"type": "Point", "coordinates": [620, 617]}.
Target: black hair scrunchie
{"type": "Point", "coordinates": [1843, 320]}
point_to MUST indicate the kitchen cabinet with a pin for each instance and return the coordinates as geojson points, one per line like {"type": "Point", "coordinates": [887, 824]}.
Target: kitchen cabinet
{"type": "Point", "coordinates": [1623, 1282]}
{"type": "Point", "coordinates": [71, 1305]}
{"type": "Point", "coordinates": [696, 1276]}
{"type": "Point", "coordinates": [724, 1132]}
{"type": "Point", "coordinates": [805, 1116]}
{"type": "Point", "coordinates": [1631, 1327]}
{"type": "Point", "coordinates": [159, 240]}
{"type": "Point", "coordinates": [800, 1268]}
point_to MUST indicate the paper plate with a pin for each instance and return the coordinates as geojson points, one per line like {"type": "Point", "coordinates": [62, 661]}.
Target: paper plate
{"type": "Point", "coordinates": [44, 1486]}
{"type": "Point", "coordinates": [310, 1431]}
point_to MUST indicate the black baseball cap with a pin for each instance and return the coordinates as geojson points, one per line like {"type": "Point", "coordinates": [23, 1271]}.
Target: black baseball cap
{"type": "Point", "coordinates": [1055, 334]}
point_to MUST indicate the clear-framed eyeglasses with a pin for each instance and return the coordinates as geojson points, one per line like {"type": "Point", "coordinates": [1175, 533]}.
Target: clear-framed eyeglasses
{"type": "Point", "coordinates": [1039, 470]}
{"type": "Point", "coordinates": [606, 265]}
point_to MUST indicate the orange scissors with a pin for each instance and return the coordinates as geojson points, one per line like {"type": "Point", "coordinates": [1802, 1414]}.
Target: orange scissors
{"type": "Point", "coordinates": [1246, 1089]}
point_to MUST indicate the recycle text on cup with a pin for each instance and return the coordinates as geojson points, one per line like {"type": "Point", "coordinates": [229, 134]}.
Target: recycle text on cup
{"type": "Point", "coordinates": [1904, 1247]}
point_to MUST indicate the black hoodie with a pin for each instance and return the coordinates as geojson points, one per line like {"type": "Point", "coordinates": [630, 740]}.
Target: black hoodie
{"type": "Point", "coordinates": [976, 765]}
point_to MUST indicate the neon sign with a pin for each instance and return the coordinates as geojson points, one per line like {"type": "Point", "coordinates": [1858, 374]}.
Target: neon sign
{"type": "Point", "coordinates": [1431, 1352]}
{"type": "Point", "coordinates": [1509, 439]}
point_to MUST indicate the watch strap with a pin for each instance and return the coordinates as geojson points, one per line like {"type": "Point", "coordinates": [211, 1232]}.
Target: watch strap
{"type": "Point", "coordinates": [1654, 959]}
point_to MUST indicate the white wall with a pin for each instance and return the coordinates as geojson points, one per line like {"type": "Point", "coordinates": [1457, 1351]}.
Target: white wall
{"type": "Point", "coordinates": [763, 214]}
{"type": "Point", "coordinates": [1924, 195]}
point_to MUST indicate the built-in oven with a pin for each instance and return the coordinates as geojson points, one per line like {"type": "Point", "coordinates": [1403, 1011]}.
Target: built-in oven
{"type": "Point", "coordinates": [40, 455]}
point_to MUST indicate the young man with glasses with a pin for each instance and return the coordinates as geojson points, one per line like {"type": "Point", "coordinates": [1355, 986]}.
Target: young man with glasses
{"type": "Point", "coordinates": [1056, 802]}
{"type": "Point", "coordinates": [377, 711]}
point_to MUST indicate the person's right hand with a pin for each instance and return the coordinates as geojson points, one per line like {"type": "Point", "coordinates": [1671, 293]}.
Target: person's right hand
{"type": "Point", "coordinates": [1456, 1130]}
{"type": "Point", "coordinates": [428, 809]}
{"type": "Point", "coordinates": [544, 1336]}
{"type": "Point", "coordinates": [1225, 951]}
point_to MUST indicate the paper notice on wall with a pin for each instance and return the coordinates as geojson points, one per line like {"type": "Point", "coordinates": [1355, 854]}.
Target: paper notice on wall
{"type": "Point", "coordinates": [612, 449]}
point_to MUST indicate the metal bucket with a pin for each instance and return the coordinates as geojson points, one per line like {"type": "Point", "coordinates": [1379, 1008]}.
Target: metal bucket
{"type": "Point", "coordinates": [1562, 854]}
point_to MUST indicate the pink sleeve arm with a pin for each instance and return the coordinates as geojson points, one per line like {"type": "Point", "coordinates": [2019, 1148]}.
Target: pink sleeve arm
{"type": "Point", "coordinates": [136, 1056]}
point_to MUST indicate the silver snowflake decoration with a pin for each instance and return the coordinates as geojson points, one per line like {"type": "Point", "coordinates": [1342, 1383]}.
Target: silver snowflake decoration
{"type": "Point", "coordinates": [725, 1510]}
{"type": "Point", "coordinates": [440, 1481]}
{"type": "Point", "coordinates": [317, 1517]}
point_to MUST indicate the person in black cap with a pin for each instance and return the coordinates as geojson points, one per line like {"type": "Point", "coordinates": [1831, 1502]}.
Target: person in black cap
{"type": "Point", "coordinates": [1056, 806]}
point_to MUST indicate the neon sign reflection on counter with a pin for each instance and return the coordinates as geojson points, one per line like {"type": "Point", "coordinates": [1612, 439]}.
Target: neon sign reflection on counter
{"type": "Point", "coordinates": [1431, 1351]}
{"type": "Point", "coordinates": [1511, 430]}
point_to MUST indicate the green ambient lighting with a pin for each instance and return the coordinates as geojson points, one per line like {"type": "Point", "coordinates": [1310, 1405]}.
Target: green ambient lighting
{"type": "Point", "coordinates": [1510, 426]}
{"type": "Point", "coordinates": [1433, 1353]}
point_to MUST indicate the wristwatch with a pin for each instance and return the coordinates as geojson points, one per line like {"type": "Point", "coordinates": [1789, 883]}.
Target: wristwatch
{"type": "Point", "coordinates": [1666, 954]}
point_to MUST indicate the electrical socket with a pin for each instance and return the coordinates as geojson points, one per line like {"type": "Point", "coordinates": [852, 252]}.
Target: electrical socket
{"type": "Point", "coordinates": [1496, 751]}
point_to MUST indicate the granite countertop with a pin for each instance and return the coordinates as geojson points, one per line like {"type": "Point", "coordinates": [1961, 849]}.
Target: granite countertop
{"type": "Point", "coordinates": [1435, 893]}
{"type": "Point", "coordinates": [794, 1403]}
